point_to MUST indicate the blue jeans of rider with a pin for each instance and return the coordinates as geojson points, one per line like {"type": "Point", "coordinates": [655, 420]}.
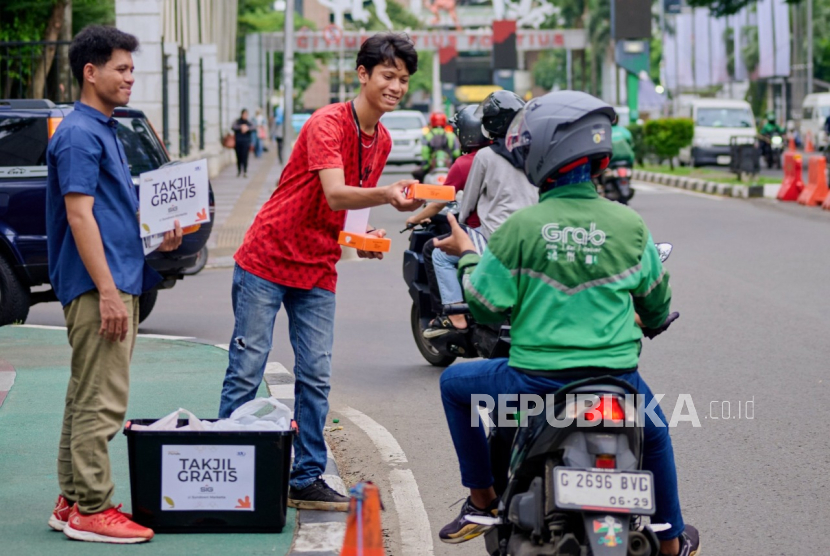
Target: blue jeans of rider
{"type": "Point", "coordinates": [311, 329]}
{"type": "Point", "coordinates": [446, 269]}
{"type": "Point", "coordinates": [494, 376]}
{"type": "Point", "coordinates": [446, 274]}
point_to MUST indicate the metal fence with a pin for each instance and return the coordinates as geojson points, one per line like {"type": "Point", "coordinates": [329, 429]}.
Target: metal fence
{"type": "Point", "coordinates": [37, 70]}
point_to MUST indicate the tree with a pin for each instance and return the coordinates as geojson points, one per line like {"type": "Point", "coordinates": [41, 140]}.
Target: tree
{"type": "Point", "coordinates": [259, 16]}
{"type": "Point", "coordinates": [43, 20]}
{"type": "Point", "coordinates": [549, 72]}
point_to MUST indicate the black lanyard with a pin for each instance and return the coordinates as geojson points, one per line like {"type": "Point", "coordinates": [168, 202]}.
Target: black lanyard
{"type": "Point", "coordinates": [359, 150]}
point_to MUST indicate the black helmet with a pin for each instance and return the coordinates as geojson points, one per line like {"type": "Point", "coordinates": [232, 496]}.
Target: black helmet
{"type": "Point", "coordinates": [468, 129]}
{"type": "Point", "coordinates": [497, 111]}
{"type": "Point", "coordinates": [559, 131]}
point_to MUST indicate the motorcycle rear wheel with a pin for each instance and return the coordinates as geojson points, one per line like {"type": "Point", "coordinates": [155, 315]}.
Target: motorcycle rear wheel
{"type": "Point", "coordinates": [432, 355]}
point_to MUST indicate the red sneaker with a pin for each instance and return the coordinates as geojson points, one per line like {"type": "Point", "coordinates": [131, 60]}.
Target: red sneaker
{"type": "Point", "coordinates": [112, 526]}
{"type": "Point", "coordinates": [60, 515]}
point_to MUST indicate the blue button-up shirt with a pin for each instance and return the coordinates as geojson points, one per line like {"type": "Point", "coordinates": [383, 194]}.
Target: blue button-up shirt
{"type": "Point", "coordinates": [85, 156]}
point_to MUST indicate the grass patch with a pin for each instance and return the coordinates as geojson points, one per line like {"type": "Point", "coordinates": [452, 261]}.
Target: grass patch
{"type": "Point", "coordinates": [707, 174]}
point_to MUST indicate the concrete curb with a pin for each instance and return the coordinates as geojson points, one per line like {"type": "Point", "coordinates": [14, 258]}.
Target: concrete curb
{"type": "Point", "coordinates": [318, 533]}
{"type": "Point", "coordinates": [7, 374]}
{"type": "Point", "coordinates": [710, 187]}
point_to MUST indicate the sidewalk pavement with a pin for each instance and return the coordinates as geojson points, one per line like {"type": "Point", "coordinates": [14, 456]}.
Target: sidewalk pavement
{"type": "Point", "coordinates": [165, 374]}
{"type": "Point", "coordinates": [237, 202]}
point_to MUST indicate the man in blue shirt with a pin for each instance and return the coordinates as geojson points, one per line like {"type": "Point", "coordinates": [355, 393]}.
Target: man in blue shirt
{"type": "Point", "coordinates": [97, 269]}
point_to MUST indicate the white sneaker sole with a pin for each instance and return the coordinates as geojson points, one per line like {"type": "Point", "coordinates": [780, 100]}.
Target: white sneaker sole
{"type": "Point", "coordinates": [56, 523]}
{"type": "Point", "coordinates": [95, 537]}
{"type": "Point", "coordinates": [319, 506]}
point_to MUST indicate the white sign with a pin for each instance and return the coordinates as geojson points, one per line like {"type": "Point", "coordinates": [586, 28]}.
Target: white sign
{"type": "Point", "coordinates": [177, 192]}
{"type": "Point", "coordinates": [463, 41]}
{"type": "Point", "coordinates": [207, 478]}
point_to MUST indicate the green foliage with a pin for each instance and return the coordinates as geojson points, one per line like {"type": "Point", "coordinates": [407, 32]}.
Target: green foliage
{"type": "Point", "coordinates": [400, 17]}
{"type": "Point", "coordinates": [750, 51]}
{"type": "Point", "coordinates": [639, 143]}
{"type": "Point", "coordinates": [549, 71]}
{"type": "Point", "coordinates": [258, 16]}
{"type": "Point", "coordinates": [92, 12]}
{"type": "Point", "coordinates": [666, 136]}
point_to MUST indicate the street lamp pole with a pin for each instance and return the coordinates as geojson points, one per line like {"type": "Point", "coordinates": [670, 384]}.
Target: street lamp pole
{"type": "Point", "coordinates": [288, 81]}
{"type": "Point", "coordinates": [809, 46]}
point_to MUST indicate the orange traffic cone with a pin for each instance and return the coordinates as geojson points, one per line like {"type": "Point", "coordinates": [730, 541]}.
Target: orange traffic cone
{"type": "Point", "coordinates": [791, 144]}
{"type": "Point", "coordinates": [815, 192]}
{"type": "Point", "coordinates": [363, 530]}
{"type": "Point", "coordinates": [809, 147]}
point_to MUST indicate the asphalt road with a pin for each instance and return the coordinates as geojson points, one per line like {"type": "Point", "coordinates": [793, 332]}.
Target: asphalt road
{"type": "Point", "coordinates": [750, 281]}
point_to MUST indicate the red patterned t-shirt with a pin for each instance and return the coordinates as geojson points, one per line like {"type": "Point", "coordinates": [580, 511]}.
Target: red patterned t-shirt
{"type": "Point", "coordinates": [293, 240]}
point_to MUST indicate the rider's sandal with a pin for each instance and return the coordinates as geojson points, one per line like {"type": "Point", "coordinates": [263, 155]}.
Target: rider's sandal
{"type": "Point", "coordinates": [441, 325]}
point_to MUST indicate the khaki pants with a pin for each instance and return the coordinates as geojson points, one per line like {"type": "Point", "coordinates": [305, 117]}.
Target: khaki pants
{"type": "Point", "coordinates": [96, 402]}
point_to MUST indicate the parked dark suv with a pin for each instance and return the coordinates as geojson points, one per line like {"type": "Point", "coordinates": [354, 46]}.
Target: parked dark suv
{"type": "Point", "coordinates": [25, 129]}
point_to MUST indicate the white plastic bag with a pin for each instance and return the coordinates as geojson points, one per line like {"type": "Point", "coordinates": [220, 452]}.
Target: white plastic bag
{"type": "Point", "coordinates": [169, 423]}
{"type": "Point", "coordinates": [243, 419]}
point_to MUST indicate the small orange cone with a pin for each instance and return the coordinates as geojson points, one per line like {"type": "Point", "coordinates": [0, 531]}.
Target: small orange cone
{"type": "Point", "coordinates": [809, 147]}
{"type": "Point", "coordinates": [363, 530]}
{"type": "Point", "coordinates": [791, 145]}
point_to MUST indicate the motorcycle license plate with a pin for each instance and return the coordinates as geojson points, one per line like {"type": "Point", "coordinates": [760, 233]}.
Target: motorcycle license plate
{"type": "Point", "coordinates": [603, 490]}
{"type": "Point", "coordinates": [724, 160]}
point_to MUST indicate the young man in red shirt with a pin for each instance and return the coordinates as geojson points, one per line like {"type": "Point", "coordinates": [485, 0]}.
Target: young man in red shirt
{"type": "Point", "coordinates": [289, 253]}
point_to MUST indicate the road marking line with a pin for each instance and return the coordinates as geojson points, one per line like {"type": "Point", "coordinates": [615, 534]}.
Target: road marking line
{"type": "Point", "coordinates": [390, 450]}
{"type": "Point", "coordinates": [43, 326]}
{"type": "Point", "coordinates": [222, 346]}
{"type": "Point", "coordinates": [416, 534]}
{"type": "Point", "coordinates": [413, 522]}
{"type": "Point", "coordinates": [166, 337]}
{"type": "Point", "coordinates": [320, 537]}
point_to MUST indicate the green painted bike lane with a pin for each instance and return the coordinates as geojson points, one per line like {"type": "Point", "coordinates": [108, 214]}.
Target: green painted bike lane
{"type": "Point", "coordinates": [164, 376]}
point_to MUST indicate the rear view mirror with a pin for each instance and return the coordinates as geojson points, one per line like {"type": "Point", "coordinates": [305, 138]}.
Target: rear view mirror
{"type": "Point", "coordinates": [664, 249]}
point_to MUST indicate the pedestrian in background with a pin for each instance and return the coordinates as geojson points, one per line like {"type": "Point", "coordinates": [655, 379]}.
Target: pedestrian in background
{"type": "Point", "coordinates": [288, 255]}
{"type": "Point", "coordinates": [243, 129]}
{"type": "Point", "coordinates": [260, 133]}
{"type": "Point", "coordinates": [97, 277]}
{"type": "Point", "coordinates": [279, 117]}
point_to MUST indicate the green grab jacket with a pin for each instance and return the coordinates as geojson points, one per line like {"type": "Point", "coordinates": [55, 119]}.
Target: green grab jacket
{"type": "Point", "coordinates": [571, 271]}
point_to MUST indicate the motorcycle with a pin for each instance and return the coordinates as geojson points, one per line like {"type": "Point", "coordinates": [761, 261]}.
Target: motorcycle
{"type": "Point", "coordinates": [774, 150]}
{"type": "Point", "coordinates": [568, 490]}
{"type": "Point", "coordinates": [488, 341]}
{"type": "Point", "coordinates": [615, 182]}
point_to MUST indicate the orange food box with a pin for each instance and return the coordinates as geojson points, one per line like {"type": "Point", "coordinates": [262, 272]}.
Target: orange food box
{"type": "Point", "coordinates": [426, 192]}
{"type": "Point", "coordinates": [365, 242]}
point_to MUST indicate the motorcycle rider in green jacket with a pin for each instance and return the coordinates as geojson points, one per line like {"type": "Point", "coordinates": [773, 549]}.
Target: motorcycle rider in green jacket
{"type": "Point", "coordinates": [573, 272]}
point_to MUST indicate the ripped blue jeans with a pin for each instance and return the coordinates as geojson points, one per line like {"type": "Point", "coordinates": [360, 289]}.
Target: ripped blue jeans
{"type": "Point", "coordinates": [311, 328]}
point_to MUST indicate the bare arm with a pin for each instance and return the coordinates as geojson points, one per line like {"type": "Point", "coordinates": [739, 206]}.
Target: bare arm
{"type": "Point", "coordinates": [429, 211]}
{"type": "Point", "coordinates": [87, 236]}
{"type": "Point", "coordinates": [343, 197]}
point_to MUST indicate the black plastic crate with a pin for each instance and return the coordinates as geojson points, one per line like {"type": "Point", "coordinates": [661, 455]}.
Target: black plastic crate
{"type": "Point", "coordinates": [271, 464]}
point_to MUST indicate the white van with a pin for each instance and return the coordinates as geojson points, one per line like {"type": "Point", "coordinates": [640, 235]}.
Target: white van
{"type": "Point", "coordinates": [814, 111]}
{"type": "Point", "coordinates": [716, 122]}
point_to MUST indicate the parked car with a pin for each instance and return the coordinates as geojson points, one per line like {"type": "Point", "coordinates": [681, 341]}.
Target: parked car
{"type": "Point", "coordinates": [25, 129]}
{"type": "Point", "coordinates": [815, 109]}
{"type": "Point", "coordinates": [716, 122]}
{"type": "Point", "coordinates": [406, 128]}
